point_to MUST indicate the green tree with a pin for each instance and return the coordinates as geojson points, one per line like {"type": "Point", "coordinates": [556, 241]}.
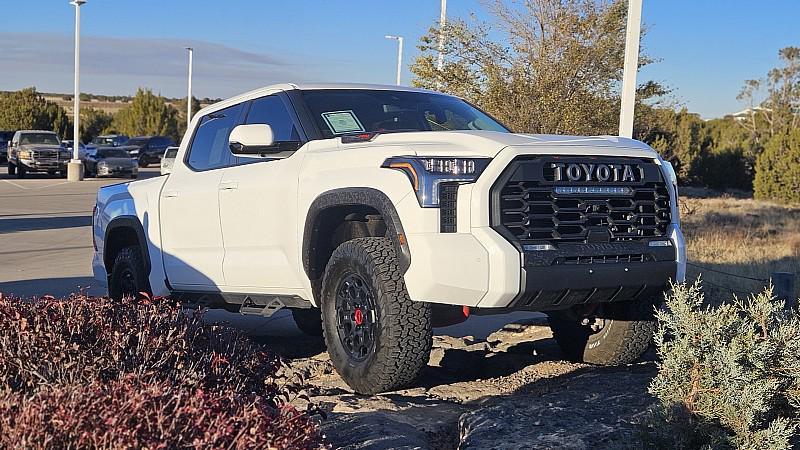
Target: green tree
{"type": "Point", "coordinates": [543, 66]}
{"type": "Point", "coordinates": [778, 169]}
{"type": "Point", "coordinates": [180, 105]}
{"type": "Point", "coordinates": [148, 114]}
{"type": "Point", "coordinates": [94, 122]}
{"type": "Point", "coordinates": [26, 109]}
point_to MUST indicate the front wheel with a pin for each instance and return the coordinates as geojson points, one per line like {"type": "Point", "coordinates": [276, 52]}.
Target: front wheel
{"type": "Point", "coordinates": [21, 171]}
{"type": "Point", "coordinates": [12, 169]}
{"type": "Point", "coordinates": [128, 277]}
{"type": "Point", "coordinates": [378, 339]}
{"type": "Point", "coordinates": [606, 334]}
{"type": "Point", "coordinates": [142, 161]}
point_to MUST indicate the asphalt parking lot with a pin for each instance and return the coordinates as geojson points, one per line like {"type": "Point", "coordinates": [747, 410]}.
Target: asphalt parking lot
{"type": "Point", "coordinates": [46, 249]}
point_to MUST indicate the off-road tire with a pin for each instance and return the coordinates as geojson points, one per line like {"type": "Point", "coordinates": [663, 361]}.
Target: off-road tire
{"type": "Point", "coordinates": [12, 169]}
{"type": "Point", "coordinates": [403, 336]}
{"type": "Point", "coordinates": [128, 262]}
{"type": "Point", "coordinates": [625, 336]}
{"type": "Point", "coordinates": [309, 320]}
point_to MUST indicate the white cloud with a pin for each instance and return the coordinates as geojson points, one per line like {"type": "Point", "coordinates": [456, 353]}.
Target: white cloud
{"type": "Point", "coordinates": [121, 65]}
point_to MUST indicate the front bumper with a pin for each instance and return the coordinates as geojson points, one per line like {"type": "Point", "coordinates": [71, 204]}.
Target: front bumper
{"type": "Point", "coordinates": [43, 166]}
{"type": "Point", "coordinates": [106, 171]}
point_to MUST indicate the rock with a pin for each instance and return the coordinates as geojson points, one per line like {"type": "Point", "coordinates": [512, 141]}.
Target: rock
{"type": "Point", "coordinates": [592, 408]}
{"type": "Point", "coordinates": [373, 430]}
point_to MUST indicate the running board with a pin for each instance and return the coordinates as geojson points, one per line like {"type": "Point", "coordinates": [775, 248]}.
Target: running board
{"type": "Point", "coordinates": [250, 307]}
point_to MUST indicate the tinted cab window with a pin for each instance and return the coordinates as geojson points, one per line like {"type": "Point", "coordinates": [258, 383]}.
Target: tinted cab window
{"type": "Point", "coordinates": [209, 149]}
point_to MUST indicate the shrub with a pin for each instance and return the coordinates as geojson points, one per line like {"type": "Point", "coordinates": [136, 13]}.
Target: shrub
{"type": "Point", "coordinates": [729, 374]}
{"type": "Point", "coordinates": [127, 375]}
{"type": "Point", "coordinates": [133, 413]}
{"type": "Point", "coordinates": [778, 169]}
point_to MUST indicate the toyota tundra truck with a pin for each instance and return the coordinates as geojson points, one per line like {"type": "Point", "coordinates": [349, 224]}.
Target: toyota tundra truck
{"type": "Point", "coordinates": [375, 213]}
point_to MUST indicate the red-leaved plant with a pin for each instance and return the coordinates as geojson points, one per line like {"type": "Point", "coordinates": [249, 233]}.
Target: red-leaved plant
{"type": "Point", "coordinates": [94, 373]}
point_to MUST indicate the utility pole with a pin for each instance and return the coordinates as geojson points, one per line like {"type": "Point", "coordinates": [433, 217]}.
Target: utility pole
{"type": "Point", "coordinates": [399, 40]}
{"type": "Point", "coordinates": [631, 67]}
{"type": "Point", "coordinates": [75, 166]}
{"type": "Point", "coordinates": [189, 95]}
{"type": "Point", "coordinates": [442, 23]}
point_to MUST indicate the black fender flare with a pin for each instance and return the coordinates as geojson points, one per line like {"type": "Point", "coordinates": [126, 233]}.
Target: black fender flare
{"type": "Point", "coordinates": [131, 222]}
{"type": "Point", "coordinates": [370, 197]}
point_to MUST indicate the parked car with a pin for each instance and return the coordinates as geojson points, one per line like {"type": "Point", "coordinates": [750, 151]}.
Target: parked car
{"type": "Point", "coordinates": [168, 160]}
{"type": "Point", "coordinates": [37, 151]}
{"type": "Point", "coordinates": [148, 149]}
{"type": "Point", "coordinates": [109, 162]}
{"type": "Point", "coordinates": [82, 149]}
{"type": "Point", "coordinates": [5, 138]}
{"type": "Point", "coordinates": [107, 140]}
{"type": "Point", "coordinates": [377, 212]}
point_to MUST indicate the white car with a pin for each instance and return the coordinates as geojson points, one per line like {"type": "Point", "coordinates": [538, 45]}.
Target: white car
{"type": "Point", "coordinates": [168, 160]}
{"type": "Point", "coordinates": [378, 212]}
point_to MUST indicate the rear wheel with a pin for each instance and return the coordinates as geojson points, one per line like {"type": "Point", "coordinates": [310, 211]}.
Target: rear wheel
{"type": "Point", "coordinates": [605, 334]}
{"type": "Point", "coordinates": [128, 277]}
{"type": "Point", "coordinates": [377, 337]}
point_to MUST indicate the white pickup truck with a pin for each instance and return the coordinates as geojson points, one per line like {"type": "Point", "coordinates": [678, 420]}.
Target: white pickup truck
{"type": "Point", "coordinates": [378, 212]}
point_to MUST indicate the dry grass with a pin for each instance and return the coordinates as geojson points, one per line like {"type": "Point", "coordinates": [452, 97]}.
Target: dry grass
{"type": "Point", "coordinates": [740, 236]}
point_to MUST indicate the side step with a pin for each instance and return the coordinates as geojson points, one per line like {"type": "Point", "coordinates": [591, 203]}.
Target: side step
{"type": "Point", "coordinates": [250, 307]}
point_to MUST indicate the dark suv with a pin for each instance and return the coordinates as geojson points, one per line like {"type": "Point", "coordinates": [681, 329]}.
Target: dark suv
{"type": "Point", "coordinates": [5, 137]}
{"type": "Point", "coordinates": [148, 149]}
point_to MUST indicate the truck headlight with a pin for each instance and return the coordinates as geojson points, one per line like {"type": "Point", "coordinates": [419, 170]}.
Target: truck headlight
{"type": "Point", "coordinates": [25, 154]}
{"type": "Point", "coordinates": [426, 173]}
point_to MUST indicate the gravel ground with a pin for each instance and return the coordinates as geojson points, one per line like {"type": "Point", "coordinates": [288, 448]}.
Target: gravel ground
{"type": "Point", "coordinates": [508, 390]}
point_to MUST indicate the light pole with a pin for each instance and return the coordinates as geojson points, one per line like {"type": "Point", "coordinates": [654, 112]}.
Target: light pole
{"type": "Point", "coordinates": [399, 54]}
{"type": "Point", "coordinates": [75, 167]}
{"type": "Point", "coordinates": [628, 101]}
{"type": "Point", "coordinates": [442, 23]}
{"type": "Point", "coordinates": [189, 96]}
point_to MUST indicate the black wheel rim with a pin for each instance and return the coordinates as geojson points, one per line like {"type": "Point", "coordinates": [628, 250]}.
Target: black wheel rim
{"type": "Point", "coordinates": [127, 283]}
{"type": "Point", "coordinates": [356, 317]}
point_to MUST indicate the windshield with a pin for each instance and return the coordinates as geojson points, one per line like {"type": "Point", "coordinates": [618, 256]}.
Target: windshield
{"type": "Point", "coordinates": [107, 141]}
{"type": "Point", "coordinates": [39, 138]}
{"type": "Point", "coordinates": [348, 111]}
{"type": "Point", "coordinates": [112, 153]}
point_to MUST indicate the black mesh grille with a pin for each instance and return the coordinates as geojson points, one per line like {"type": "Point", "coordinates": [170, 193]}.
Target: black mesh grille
{"type": "Point", "coordinates": [530, 209]}
{"type": "Point", "coordinates": [448, 196]}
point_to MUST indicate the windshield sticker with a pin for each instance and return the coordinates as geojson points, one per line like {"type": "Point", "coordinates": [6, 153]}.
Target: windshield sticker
{"type": "Point", "coordinates": [343, 121]}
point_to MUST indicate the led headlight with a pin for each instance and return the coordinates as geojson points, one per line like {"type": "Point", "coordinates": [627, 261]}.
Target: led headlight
{"type": "Point", "coordinates": [427, 173]}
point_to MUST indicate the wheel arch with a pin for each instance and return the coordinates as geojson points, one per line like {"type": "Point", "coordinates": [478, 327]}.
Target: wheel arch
{"type": "Point", "coordinates": [121, 232]}
{"type": "Point", "coordinates": [317, 225]}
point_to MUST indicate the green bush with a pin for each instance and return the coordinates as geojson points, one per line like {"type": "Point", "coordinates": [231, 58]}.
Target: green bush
{"type": "Point", "coordinates": [729, 375]}
{"type": "Point", "coordinates": [778, 169]}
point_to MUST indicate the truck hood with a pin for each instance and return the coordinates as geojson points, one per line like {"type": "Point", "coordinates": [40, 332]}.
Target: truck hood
{"type": "Point", "coordinates": [40, 147]}
{"type": "Point", "coordinates": [489, 143]}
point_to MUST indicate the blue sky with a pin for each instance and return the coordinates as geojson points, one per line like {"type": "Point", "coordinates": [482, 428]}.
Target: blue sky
{"type": "Point", "coordinates": [706, 48]}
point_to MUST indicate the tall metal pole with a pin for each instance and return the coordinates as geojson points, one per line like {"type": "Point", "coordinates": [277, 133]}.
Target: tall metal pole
{"type": "Point", "coordinates": [399, 55]}
{"type": "Point", "coordinates": [75, 167]}
{"type": "Point", "coordinates": [631, 67]}
{"type": "Point", "coordinates": [189, 96]}
{"type": "Point", "coordinates": [442, 23]}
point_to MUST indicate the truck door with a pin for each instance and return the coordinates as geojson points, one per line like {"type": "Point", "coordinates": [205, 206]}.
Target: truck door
{"type": "Point", "coordinates": [258, 209]}
{"type": "Point", "coordinates": [189, 206]}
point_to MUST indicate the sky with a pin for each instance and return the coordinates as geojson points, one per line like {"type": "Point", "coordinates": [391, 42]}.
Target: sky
{"type": "Point", "coordinates": [705, 48]}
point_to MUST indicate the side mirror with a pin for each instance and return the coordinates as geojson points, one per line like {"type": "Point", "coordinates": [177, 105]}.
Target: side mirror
{"type": "Point", "coordinates": [252, 140]}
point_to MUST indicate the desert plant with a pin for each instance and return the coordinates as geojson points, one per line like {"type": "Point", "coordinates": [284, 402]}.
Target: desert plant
{"type": "Point", "coordinates": [778, 169]}
{"type": "Point", "coordinates": [135, 413]}
{"type": "Point", "coordinates": [729, 375]}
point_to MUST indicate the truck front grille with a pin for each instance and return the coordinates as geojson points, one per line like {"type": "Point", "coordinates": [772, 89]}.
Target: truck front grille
{"type": "Point", "coordinates": [531, 204]}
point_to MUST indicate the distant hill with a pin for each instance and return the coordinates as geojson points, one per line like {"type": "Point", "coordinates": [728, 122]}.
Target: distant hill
{"type": "Point", "coordinates": [107, 103]}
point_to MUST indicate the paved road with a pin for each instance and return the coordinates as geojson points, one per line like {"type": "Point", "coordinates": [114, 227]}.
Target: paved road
{"type": "Point", "coordinates": [46, 248]}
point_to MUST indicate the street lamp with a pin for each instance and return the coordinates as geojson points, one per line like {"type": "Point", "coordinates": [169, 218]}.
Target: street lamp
{"type": "Point", "coordinates": [75, 167]}
{"type": "Point", "coordinates": [399, 54]}
{"type": "Point", "coordinates": [189, 96]}
{"type": "Point", "coordinates": [631, 65]}
{"type": "Point", "coordinates": [442, 23]}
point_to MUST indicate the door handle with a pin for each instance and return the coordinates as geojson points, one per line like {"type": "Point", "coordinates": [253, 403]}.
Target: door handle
{"type": "Point", "coordinates": [229, 185]}
{"type": "Point", "coordinates": [170, 194]}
